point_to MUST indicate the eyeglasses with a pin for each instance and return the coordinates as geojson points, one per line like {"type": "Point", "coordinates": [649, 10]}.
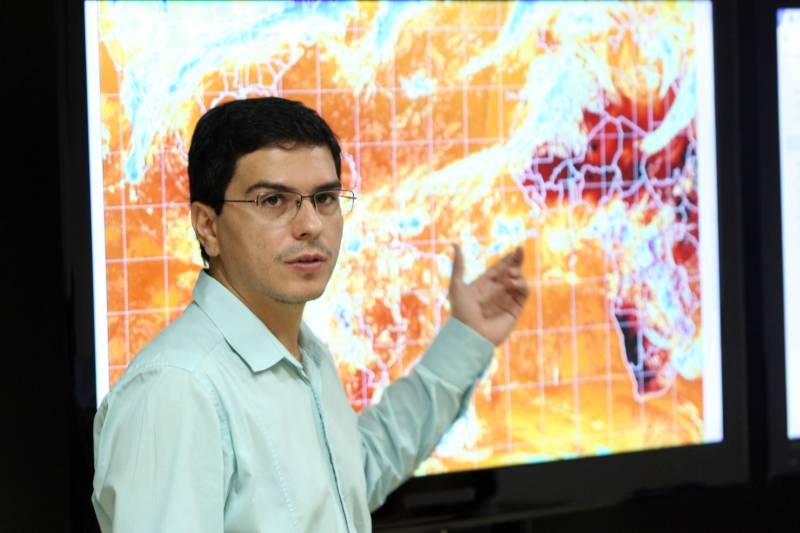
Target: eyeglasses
{"type": "Point", "coordinates": [280, 207]}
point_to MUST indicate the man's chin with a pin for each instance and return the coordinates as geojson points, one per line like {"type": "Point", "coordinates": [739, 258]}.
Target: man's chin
{"type": "Point", "coordinates": [299, 297]}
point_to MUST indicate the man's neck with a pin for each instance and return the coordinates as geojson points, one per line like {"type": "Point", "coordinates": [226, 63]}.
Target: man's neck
{"type": "Point", "coordinates": [282, 319]}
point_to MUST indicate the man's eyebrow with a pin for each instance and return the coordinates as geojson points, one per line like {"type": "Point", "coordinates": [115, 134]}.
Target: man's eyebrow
{"type": "Point", "coordinates": [331, 185]}
{"type": "Point", "coordinates": [264, 184]}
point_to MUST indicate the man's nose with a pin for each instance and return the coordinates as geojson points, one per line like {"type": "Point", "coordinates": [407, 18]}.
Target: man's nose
{"type": "Point", "coordinates": [307, 223]}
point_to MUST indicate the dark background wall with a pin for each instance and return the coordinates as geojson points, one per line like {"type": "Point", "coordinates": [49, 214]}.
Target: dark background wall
{"type": "Point", "coordinates": [46, 477]}
{"type": "Point", "coordinates": [36, 379]}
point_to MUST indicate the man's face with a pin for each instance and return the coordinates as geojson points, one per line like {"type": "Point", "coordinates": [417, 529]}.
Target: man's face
{"type": "Point", "coordinates": [288, 263]}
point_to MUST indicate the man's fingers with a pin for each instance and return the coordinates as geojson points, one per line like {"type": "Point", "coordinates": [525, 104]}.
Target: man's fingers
{"type": "Point", "coordinates": [514, 258]}
{"type": "Point", "coordinates": [510, 262]}
{"type": "Point", "coordinates": [509, 290]}
{"type": "Point", "coordinates": [517, 256]}
{"type": "Point", "coordinates": [508, 303]}
{"type": "Point", "coordinates": [514, 273]}
{"type": "Point", "coordinates": [511, 280]}
{"type": "Point", "coordinates": [517, 289]}
{"type": "Point", "coordinates": [519, 286]}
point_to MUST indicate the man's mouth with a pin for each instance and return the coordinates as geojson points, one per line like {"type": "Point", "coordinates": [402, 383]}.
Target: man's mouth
{"type": "Point", "coordinates": [307, 262]}
{"type": "Point", "coordinates": [307, 258]}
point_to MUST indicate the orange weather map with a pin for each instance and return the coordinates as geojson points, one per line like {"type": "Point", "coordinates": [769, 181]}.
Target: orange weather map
{"type": "Point", "coordinates": [567, 128]}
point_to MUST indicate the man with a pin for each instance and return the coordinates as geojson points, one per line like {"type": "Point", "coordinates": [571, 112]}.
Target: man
{"type": "Point", "coordinates": [233, 418]}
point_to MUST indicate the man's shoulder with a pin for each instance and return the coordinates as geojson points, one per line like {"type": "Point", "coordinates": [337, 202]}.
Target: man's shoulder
{"type": "Point", "coordinates": [179, 359]}
{"type": "Point", "coordinates": [187, 343]}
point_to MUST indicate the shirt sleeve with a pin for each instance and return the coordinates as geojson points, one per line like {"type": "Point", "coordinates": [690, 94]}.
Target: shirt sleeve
{"type": "Point", "coordinates": [402, 429]}
{"type": "Point", "coordinates": [158, 456]}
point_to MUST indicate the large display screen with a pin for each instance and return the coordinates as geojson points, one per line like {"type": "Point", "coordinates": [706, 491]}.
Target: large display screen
{"type": "Point", "coordinates": [584, 131]}
{"type": "Point", "coordinates": [788, 47]}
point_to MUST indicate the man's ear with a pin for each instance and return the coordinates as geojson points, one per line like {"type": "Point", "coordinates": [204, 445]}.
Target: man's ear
{"type": "Point", "coordinates": [204, 222]}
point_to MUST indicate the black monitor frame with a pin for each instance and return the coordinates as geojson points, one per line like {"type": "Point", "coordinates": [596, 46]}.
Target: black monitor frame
{"type": "Point", "coordinates": [489, 495]}
{"type": "Point", "coordinates": [75, 199]}
{"type": "Point", "coordinates": [783, 453]}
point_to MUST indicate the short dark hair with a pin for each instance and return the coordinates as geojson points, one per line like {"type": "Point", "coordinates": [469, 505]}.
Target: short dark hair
{"type": "Point", "coordinates": [236, 128]}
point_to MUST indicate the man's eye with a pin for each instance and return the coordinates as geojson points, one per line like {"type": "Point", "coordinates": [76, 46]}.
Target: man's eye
{"type": "Point", "coordinates": [272, 200]}
{"type": "Point", "coordinates": [326, 198]}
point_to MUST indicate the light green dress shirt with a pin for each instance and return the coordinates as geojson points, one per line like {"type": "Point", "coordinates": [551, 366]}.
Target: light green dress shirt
{"type": "Point", "coordinates": [216, 427]}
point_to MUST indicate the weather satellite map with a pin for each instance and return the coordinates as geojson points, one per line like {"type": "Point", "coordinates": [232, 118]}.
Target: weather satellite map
{"type": "Point", "coordinates": [579, 130]}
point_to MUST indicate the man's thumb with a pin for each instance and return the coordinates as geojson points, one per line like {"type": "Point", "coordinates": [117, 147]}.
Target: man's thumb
{"type": "Point", "coordinates": [457, 276]}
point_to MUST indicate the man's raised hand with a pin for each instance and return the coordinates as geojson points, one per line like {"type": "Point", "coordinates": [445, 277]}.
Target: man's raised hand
{"type": "Point", "coordinates": [492, 303]}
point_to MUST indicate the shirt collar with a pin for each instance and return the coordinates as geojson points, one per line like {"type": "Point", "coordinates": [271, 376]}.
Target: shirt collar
{"type": "Point", "coordinates": [243, 330]}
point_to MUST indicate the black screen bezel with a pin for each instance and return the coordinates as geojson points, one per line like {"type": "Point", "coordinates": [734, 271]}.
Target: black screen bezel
{"type": "Point", "coordinates": [783, 452]}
